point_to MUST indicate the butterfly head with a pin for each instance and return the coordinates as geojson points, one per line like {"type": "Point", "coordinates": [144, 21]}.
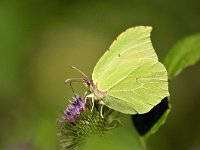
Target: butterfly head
{"type": "Point", "coordinates": [89, 84]}
{"type": "Point", "coordinates": [86, 80]}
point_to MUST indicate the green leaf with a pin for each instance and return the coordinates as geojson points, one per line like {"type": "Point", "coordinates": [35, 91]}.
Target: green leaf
{"type": "Point", "coordinates": [184, 53]}
{"type": "Point", "coordinates": [148, 123]}
{"type": "Point", "coordinates": [160, 122]}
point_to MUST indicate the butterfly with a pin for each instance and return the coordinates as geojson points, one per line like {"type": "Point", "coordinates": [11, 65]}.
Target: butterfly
{"type": "Point", "coordinates": [128, 77]}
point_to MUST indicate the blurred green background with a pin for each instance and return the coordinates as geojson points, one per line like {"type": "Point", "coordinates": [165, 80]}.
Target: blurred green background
{"type": "Point", "coordinates": [40, 39]}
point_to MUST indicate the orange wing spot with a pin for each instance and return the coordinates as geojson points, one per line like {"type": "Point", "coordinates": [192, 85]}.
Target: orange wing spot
{"type": "Point", "coordinates": [137, 79]}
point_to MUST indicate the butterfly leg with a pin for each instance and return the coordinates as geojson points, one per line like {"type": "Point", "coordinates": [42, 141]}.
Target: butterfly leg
{"type": "Point", "coordinates": [92, 99]}
{"type": "Point", "coordinates": [101, 111]}
{"type": "Point", "coordinates": [92, 103]}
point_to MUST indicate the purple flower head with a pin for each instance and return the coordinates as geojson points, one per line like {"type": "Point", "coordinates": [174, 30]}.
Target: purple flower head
{"type": "Point", "coordinates": [75, 108]}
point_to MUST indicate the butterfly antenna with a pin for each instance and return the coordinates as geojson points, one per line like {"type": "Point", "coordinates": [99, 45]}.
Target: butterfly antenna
{"type": "Point", "coordinates": [70, 83]}
{"type": "Point", "coordinates": [79, 71]}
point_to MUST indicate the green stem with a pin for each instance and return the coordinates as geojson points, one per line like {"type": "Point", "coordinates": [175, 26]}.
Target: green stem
{"type": "Point", "coordinates": [143, 143]}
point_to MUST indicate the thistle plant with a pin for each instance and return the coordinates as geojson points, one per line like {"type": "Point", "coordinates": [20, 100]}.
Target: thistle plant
{"type": "Point", "coordinates": [81, 119]}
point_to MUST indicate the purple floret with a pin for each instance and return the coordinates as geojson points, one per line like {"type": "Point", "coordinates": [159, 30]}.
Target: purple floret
{"type": "Point", "coordinates": [75, 108]}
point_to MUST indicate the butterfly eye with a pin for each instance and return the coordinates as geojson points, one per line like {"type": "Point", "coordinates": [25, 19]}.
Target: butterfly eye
{"type": "Point", "coordinates": [86, 82]}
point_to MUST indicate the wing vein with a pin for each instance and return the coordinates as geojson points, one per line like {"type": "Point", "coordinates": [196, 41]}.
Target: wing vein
{"type": "Point", "coordinates": [127, 76]}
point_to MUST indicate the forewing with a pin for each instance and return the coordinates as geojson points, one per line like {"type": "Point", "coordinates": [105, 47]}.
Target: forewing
{"type": "Point", "coordinates": [129, 51]}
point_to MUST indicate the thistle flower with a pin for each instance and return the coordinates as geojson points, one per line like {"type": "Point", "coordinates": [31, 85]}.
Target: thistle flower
{"type": "Point", "coordinates": [79, 121]}
{"type": "Point", "coordinates": [75, 108]}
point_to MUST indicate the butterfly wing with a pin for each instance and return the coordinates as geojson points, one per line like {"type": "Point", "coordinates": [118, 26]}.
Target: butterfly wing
{"type": "Point", "coordinates": [130, 73]}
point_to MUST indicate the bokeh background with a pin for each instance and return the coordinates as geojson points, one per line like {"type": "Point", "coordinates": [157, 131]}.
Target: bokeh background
{"type": "Point", "coordinates": [40, 39]}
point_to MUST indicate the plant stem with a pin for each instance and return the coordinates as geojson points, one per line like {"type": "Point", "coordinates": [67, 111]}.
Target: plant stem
{"type": "Point", "coordinates": [143, 143]}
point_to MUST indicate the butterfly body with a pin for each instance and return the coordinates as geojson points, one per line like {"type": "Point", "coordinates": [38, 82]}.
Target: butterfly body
{"type": "Point", "coordinates": [97, 94]}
